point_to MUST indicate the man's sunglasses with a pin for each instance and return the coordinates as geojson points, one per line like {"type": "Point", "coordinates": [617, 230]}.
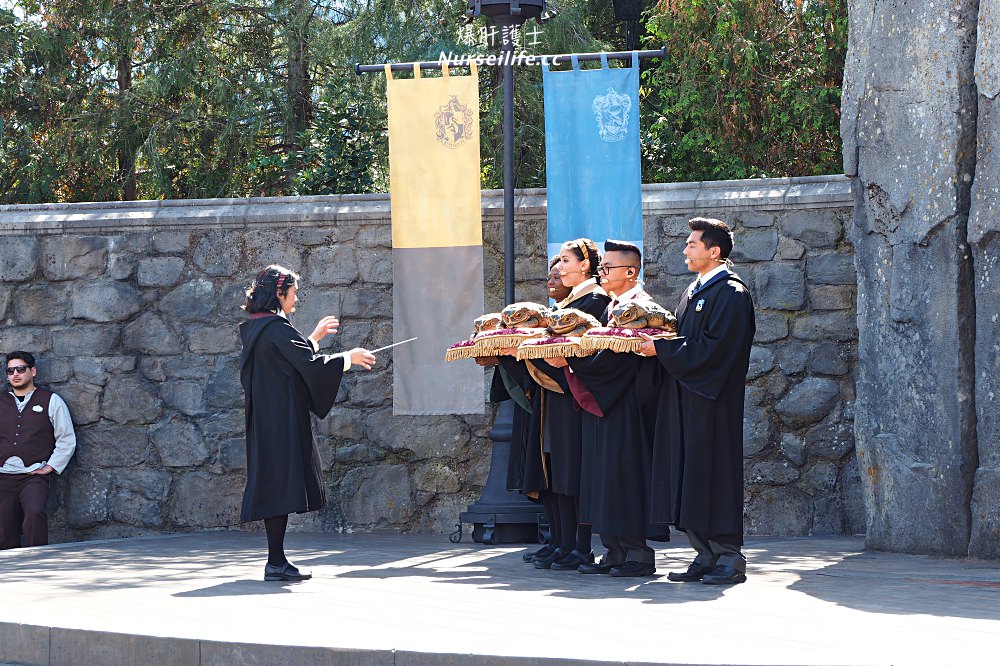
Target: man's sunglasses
{"type": "Point", "coordinates": [19, 369]}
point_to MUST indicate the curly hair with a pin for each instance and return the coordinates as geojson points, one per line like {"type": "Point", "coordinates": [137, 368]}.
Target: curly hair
{"type": "Point", "coordinates": [270, 283]}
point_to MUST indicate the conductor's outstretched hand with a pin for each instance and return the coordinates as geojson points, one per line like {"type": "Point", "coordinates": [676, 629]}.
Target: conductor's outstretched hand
{"type": "Point", "coordinates": [362, 357]}
{"type": "Point", "coordinates": [326, 326]}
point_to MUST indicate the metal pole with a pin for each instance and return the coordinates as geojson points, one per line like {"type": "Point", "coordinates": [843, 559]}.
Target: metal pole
{"type": "Point", "coordinates": [508, 171]}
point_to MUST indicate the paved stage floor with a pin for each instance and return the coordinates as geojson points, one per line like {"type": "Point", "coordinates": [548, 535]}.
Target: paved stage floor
{"type": "Point", "coordinates": [199, 599]}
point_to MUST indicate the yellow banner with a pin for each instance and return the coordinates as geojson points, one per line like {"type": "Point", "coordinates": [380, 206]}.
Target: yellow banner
{"type": "Point", "coordinates": [434, 180]}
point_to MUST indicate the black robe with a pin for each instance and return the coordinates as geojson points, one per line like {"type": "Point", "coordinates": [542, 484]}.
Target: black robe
{"type": "Point", "coordinates": [283, 380]}
{"type": "Point", "coordinates": [561, 416]}
{"type": "Point", "coordinates": [698, 449]}
{"type": "Point", "coordinates": [520, 433]}
{"type": "Point", "coordinates": [618, 446]}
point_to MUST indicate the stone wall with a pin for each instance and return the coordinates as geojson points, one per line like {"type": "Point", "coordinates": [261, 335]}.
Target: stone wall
{"type": "Point", "coordinates": [132, 309]}
{"type": "Point", "coordinates": [919, 127]}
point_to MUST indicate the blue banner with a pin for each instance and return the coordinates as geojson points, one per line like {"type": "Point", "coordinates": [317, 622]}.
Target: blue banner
{"type": "Point", "coordinates": [593, 172]}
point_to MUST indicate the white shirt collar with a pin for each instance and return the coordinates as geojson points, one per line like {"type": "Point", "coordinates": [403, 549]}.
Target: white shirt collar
{"type": "Point", "coordinates": [580, 287]}
{"type": "Point", "coordinates": [630, 294]}
{"type": "Point", "coordinates": [707, 276]}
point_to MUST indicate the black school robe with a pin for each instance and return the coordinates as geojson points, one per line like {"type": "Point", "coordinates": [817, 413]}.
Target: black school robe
{"type": "Point", "coordinates": [618, 446]}
{"type": "Point", "coordinates": [283, 381]}
{"type": "Point", "coordinates": [562, 416]}
{"type": "Point", "coordinates": [698, 449]}
{"type": "Point", "coordinates": [521, 427]}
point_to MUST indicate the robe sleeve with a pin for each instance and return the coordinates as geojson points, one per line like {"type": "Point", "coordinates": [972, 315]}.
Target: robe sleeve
{"type": "Point", "coordinates": [606, 375]}
{"type": "Point", "coordinates": [702, 362]}
{"type": "Point", "coordinates": [319, 373]}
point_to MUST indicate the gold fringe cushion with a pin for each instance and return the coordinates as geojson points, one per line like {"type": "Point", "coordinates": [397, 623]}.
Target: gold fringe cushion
{"type": "Point", "coordinates": [490, 343]}
{"type": "Point", "coordinates": [460, 350]}
{"type": "Point", "coordinates": [620, 340]}
{"type": "Point", "coordinates": [549, 347]}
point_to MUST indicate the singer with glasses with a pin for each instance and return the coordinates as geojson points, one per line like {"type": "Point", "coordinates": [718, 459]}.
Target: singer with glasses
{"type": "Point", "coordinates": [285, 378]}
{"type": "Point", "coordinates": [36, 439]}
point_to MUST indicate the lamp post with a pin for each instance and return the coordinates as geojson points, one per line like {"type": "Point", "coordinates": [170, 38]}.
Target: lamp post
{"type": "Point", "coordinates": [501, 515]}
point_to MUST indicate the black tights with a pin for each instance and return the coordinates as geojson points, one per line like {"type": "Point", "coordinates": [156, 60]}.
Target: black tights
{"type": "Point", "coordinates": [550, 505]}
{"type": "Point", "coordinates": [565, 533]}
{"type": "Point", "coordinates": [275, 528]}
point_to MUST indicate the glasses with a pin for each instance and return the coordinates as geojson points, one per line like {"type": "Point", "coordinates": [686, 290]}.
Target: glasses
{"type": "Point", "coordinates": [19, 369]}
{"type": "Point", "coordinates": [606, 268]}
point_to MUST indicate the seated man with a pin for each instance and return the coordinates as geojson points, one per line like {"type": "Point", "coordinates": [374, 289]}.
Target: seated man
{"type": "Point", "coordinates": [36, 439]}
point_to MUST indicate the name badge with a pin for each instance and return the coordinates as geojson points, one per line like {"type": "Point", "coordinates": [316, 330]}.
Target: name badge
{"type": "Point", "coordinates": [36, 408]}
{"type": "Point", "coordinates": [700, 305]}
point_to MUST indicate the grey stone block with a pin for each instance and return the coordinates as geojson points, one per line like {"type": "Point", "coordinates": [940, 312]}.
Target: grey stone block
{"type": "Point", "coordinates": [219, 653]}
{"type": "Point", "coordinates": [86, 494]}
{"type": "Point", "coordinates": [819, 480]}
{"type": "Point", "coordinates": [332, 265]}
{"type": "Point", "coordinates": [419, 438]}
{"type": "Point", "coordinates": [201, 499]}
{"type": "Point", "coordinates": [111, 445]}
{"type": "Point", "coordinates": [755, 245]}
{"type": "Point", "coordinates": [4, 301]}
{"type": "Point", "coordinates": [159, 271]}
{"type": "Point", "coordinates": [837, 325]}
{"type": "Point", "coordinates": [771, 326]}
{"type": "Point", "coordinates": [151, 334]}
{"type": "Point", "coordinates": [793, 448]}
{"type": "Point", "coordinates": [832, 297]}
{"type": "Point", "coordinates": [833, 439]}
{"type": "Point", "coordinates": [761, 362]}
{"type": "Point", "coordinates": [74, 257]}
{"type": "Point", "coordinates": [753, 219]}
{"type": "Point", "coordinates": [780, 286]}
{"type": "Point", "coordinates": [105, 301]}
{"type": "Point", "coordinates": [233, 453]}
{"type": "Point", "coordinates": [377, 495]}
{"type": "Point", "coordinates": [192, 301]}
{"type": "Point", "coordinates": [757, 423]}
{"type": "Point", "coordinates": [131, 400]}
{"type": "Point", "coordinates": [792, 356]}
{"type": "Point", "coordinates": [817, 229]}
{"type": "Point", "coordinates": [86, 340]}
{"type": "Point", "coordinates": [83, 401]}
{"type": "Point", "coordinates": [808, 402]}
{"type": "Point", "coordinates": [18, 259]}
{"type": "Point", "coordinates": [223, 388]}
{"type": "Point", "coordinates": [436, 478]}
{"type": "Point", "coordinates": [137, 497]}
{"type": "Point", "coordinates": [35, 339]}
{"type": "Point", "coordinates": [831, 358]}
{"type": "Point", "coordinates": [41, 305]}
{"type": "Point", "coordinates": [782, 511]}
{"type": "Point", "coordinates": [218, 255]}
{"type": "Point", "coordinates": [790, 249]}
{"type": "Point", "coordinates": [831, 268]}
{"type": "Point", "coordinates": [184, 396]}
{"type": "Point", "coordinates": [179, 443]}
{"type": "Point", "coordinates": [171, 242]}
{"type": "Point", "coordinates": [213, 339]}
{"type": "Point", "coordinates": [776, 472]}
{"type": "Point", "coordinates": [985, 539]}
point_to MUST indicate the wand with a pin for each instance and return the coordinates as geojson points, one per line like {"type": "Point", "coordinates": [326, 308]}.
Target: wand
{"type": "Point", "coordinates": [392, 345]}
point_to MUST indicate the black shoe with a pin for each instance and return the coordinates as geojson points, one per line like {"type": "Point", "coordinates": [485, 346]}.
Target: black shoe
{"type": "Point", "coordinates": [541, 552]}
{"type": "Point", "coordinates": [692, 575]}
{"type": "Point", "coordinates": [573, 561]}
{"type": "Point", "coordinates": [597, 568]}
{"type": "Point", "coordinates": [632, 568]}
{"type": "Point", "coordinates": [546, 562]}
{"type": "Point", "coordinates": [724, 574]}
{"type": "Point", "coordinates": [285, 572]}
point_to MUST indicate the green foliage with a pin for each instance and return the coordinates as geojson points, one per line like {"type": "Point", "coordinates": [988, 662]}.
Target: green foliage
{"type": "Point", "coordinates": [751, 89]}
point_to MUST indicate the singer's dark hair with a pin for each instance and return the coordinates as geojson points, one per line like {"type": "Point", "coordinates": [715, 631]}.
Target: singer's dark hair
{"type": "Point", "coordinates": [270, 283]}
{"type": "Point", "coordinates": [714, 233]}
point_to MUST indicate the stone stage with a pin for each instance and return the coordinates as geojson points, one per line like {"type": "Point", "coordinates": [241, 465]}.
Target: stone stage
{"type": "Point", "coordinates": [199, 599]}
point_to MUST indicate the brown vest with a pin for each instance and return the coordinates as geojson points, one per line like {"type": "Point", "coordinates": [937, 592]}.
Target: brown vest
{"type": "Point", "coordinates": [28, 434]}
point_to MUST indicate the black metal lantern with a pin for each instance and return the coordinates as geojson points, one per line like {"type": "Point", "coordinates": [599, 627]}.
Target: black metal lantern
{"type": "Point", "coordinates": [501, 515]}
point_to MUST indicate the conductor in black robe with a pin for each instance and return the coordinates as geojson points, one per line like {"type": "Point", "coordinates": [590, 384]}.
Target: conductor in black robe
{"type": "Point", "coordinates": [698, 447]}
{"type": "Point", "coordinates": [284, 379]}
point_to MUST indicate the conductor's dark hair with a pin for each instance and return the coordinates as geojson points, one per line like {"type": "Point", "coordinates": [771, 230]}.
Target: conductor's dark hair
{"type": "Point", "coordinates": [714, 233]}
{"type": "Point", "coordinates": [584, 248]}
{"type": "Point", "coordinates": [27, 357]}
{"type": "Point", "coordinates": [273, 281]}
{"type": "Point", "coordinates": [624, 246]}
